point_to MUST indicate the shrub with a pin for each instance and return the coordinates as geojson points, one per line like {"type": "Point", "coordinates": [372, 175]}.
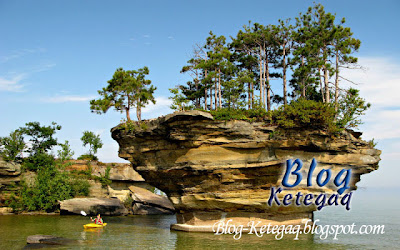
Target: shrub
{"type": "Point", "coordinates": [35, 161]}
{"type": "Point", "coordinates": [306, 114]}
{"type": "Point", "coordinates": [88, 157]}
{"type": "Point", "coordinates": [50, 186]}
{"type": "Point", "coordinates": [12, 146]}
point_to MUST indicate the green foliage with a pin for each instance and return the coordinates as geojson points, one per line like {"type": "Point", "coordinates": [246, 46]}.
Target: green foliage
{"type": "Point", "coordinates": [125, 90]}
{"type": "Point", "coordinates": [50, 186]}
{"type": "Point", "coordinates": [88, 157]}
{"type": "Point", "coordinates": [35, 161]}
{"type": "Point", "coordinates": [372, 143]}
{"type": "Point", "coordinates": [105, 179]}
{"type": "Point", "coordinates": [130, 126]}
{"type": "Point", "coordinates": [305, 114]}
{"type": "Point", "coordinates": [65, 153]}
{"type": "Point", "coordinates": [12, 146]}
{"type": "Point", "coordinates": [93, 140]}
{"type": "Point", "coordinates": [179, 102]}
{"type": "Point", "coordinates": [351, 107]}
{"type": "Point", "coordinates": [41, 137]}
{"type": "Point", "coordinates": [226, 114]}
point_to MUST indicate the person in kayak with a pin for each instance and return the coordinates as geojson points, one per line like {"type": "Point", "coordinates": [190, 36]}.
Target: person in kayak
{"type": "Point", "coordinates": [98, 220]}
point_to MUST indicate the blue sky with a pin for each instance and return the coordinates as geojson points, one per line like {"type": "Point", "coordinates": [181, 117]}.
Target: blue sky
{"type": "Point", "coordinates": [55, 55]}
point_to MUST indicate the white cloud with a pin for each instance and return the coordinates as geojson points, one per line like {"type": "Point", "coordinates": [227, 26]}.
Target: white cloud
{"type": "Point", "coordinates": [20, 53]}
{"type": "Point", "coordinates": [12, 84]}
{"type": "Point", "coordinates": [68, 98]}
{"type": "Point", "coordinates": [146, 36]}
{"type": "Point", "coordinates": [160, 108]}
{"type": "Point", "coordinates": [379, 85]}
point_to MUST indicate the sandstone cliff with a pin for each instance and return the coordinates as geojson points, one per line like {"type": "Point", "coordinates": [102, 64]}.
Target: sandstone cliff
{"type": "Point", "coordinates": [214, 170]}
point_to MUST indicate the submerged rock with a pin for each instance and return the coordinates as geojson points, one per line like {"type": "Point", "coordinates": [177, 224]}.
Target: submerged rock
{"type": "Point", "coordinates": [93, 206]}
{"type": "Point", "coordinates": [39, 240]}
{"type": "Point", "coordinates": [213, 170]}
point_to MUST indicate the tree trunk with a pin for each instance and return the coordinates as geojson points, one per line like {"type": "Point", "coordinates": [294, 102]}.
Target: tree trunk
{"type": "Point", "coordinates": [205, 92]}
{"type": "Point", "coordinates": [284, 77]}
{"type": "Point", "coordinates": [128, 116]}
{"type": "Point", "coordinates": [268, 87]}
{"type": "Point", "coordinates": [261, 77]}
{"type": "Point", "coordinates": [252, 95]}
{"type": "Point", "coordinates": [337, 81]}
{"type": "Point", "coordinates": [303, 83]}
{"type": "Point", "coordinates": [219, 88]}
{"type": "Point", "coordinates": [211, 98]}
{"type": "Point", "coordinates": [326, 78]}
{"type": "Point", "coordinates": [215, 92]}
{"type": "Point", "coordinates": [138, 112]}
{"type": "Point", "coordinates": [320, 86]}
{"type": "Point", "coordinates": [248, 96]}
{"type": "Point", "coordinates": [264, 81]}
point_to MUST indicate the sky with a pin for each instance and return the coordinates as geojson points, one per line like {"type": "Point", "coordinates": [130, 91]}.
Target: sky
{"type": "Point", "coordinates": [55, 55]}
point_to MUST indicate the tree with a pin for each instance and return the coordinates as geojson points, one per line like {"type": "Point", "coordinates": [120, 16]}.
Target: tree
{"type": "Point", "coordinates": [125, 90]}
{"type": "Point", "coordinates": [283, 36]}
{"type": "Point", "coordinates": [12, 146]}
{"type": "Point", "coordinates": [41, 137]}
{"type": "Point", "coordinates": [351, 107]}
{"type": "Point", "coordinates": [65, 153]}
{"type": "Point", "coordinates": [344, 45]}
{"type": "Point", "coordinates": [179, 102]}
{"type": "Point", "coordinates": [93, 140]}
{"type": "Point", "coordinates": [41, 141]}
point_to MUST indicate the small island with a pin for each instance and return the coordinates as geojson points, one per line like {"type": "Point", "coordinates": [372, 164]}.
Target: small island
{"type": "Point", "coordinates": [221, 155]}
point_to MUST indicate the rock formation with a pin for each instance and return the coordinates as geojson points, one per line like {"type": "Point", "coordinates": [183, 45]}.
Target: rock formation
{"type": "Point", "coordinates": [213, 170]}
{"type": "Point", "coordinates": [93, 206]}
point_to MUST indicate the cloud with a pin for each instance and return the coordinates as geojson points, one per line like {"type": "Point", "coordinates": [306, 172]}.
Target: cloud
{"type": "Point", "coordinates": [12, 84]}
{"type": "Point", "coordinates": [379, 85]}
{"type": "Point", "coordinates": [146, 36]}
{"type": "Point", "coordinates": [68, 98]}
{"type": "Point", "coordinates": [20, 53]}
{"type": "Point", "coordinates": [160, 108]}
{"type": "Point", "coordinates": [171, 38]}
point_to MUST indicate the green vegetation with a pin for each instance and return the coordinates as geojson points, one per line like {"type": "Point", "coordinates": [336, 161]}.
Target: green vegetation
{"type": "Point", "coordinates": [65, 153]}
{"type": "Point", "coordinates": [12, 146]}
{"type": "Point", "coordinates": [232, 80]}
{"type": "Point", "coordinates": [51, 181]}
{"type": "Point", "coordinates": [125, 90]}
{"type": "Point", "coordinates": [51, 185]}
{"type": "Point", "coordinates": [94, 142]}
{"type": "Point", "coordinates": [305, 113]}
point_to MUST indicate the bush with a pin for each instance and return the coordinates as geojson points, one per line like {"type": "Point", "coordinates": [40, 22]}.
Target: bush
{"type": "Point", "coordinates": [306, 114]}
{"type": "Point", "coordinates": [50, 186]}
{"type": "Point", "coordinates": [88, 157]}
{"type": "Point", "coordinates": [226, 114]}
{"type": "Point", "coordinates": [34, 162]}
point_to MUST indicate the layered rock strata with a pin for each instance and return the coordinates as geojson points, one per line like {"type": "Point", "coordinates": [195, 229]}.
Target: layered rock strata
{"type": "Point", "coordinates": [213, 170]}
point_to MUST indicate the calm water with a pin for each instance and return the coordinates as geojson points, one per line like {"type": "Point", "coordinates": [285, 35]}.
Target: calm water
{"type": "Point", "coordinates": [152, 232]}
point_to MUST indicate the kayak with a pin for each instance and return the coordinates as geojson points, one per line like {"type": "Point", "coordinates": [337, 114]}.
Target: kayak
{"type": "Point", "coordinates": [93, 225]}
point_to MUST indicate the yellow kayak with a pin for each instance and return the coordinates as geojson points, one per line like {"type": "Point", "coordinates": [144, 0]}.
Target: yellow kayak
{"type": "Point", "coordinates": [93, 225]}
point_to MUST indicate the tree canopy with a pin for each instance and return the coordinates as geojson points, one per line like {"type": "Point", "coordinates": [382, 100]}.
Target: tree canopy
{"type": "Point", "coordinates": [307, 53]}
{"type": "Point", "coordinates": [126, 89]}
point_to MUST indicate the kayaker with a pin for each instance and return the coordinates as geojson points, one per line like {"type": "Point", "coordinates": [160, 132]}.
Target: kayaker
{"type": "Point", "coordinates": [98, 220]}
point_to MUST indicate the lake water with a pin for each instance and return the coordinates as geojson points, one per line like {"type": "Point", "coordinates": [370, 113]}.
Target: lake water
{"type": "Point", "coordinates": [369, 207]}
